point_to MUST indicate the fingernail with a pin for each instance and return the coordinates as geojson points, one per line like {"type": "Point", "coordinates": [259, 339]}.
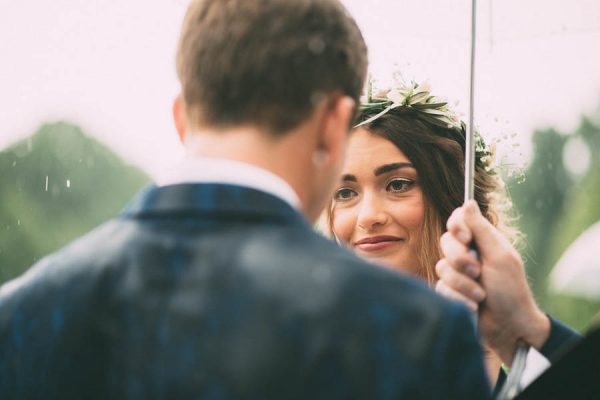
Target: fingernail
{"type": "Point", "coordinates": [478, 294]}
{"type": "Point", "coordinates": [472, 271]}
{"type": "Point", "coordinates": [473, 206]}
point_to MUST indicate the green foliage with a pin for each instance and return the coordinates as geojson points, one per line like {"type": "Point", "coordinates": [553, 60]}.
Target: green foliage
{"type": "Point", "coordinates": [57, 185]}
{"type": "Point", "coordinates": [539, 200]}
{"type": "Point", "coordinates": [583, 198]}
{"type": "Point", "coordinates": [555, 209]}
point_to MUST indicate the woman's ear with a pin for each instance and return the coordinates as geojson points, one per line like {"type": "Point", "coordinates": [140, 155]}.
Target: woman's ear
{"type": "Point", "coordinates": [179, 117]}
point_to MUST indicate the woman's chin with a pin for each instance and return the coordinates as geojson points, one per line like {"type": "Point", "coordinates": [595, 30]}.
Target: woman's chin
{"type": "Point", "coordinates": [392, 261]}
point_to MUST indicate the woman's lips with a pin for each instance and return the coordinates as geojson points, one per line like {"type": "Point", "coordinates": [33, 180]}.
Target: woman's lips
{"type": "Point", "coordinates": [376, 243]}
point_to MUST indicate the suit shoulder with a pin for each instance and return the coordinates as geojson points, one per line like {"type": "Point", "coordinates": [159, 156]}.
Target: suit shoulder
{"type": "Point", "coordinates": [73, 268]}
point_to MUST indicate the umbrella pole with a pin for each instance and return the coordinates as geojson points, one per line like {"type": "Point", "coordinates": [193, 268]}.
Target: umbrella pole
{"type": "Point", "coordinates": [512, 386]}
{"type": "Point", "coordinates": [470, 145]}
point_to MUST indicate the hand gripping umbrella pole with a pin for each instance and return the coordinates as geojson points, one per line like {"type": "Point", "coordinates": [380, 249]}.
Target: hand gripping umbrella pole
{"type": "Point", "coordinates": [512, 386]}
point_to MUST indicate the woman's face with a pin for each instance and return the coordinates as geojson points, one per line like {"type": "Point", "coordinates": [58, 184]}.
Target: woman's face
{"type": "Point", "coordinates": [378, 205]}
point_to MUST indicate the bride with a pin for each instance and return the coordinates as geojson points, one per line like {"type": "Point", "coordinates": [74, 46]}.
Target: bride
{"type": "Point", "coordinates": [402, 179]}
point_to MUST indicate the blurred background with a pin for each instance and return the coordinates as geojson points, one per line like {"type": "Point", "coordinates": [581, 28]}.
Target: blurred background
{"type": "Point", "coordinates": [87, 87]}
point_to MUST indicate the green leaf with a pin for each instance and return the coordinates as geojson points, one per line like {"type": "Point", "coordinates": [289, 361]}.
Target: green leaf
{"type": "Point", "coordinates": [429, 105]}
{"type": "Point", "coordinates": [418, 97]}
{"type": "Point", "coordinates": [433, 111]}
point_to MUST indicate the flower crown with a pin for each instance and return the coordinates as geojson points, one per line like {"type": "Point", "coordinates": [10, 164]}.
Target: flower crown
{"type": "Point", "coordinates": [428, 108]}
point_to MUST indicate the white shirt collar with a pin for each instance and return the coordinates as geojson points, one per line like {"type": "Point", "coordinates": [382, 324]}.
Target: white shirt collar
{"type": "Point", "coordinates": [214, 170]}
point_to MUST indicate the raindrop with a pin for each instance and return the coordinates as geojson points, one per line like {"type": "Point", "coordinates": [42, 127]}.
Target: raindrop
{"type": "Point", "coordinates": [316, 98]}
{"type": "Point", "coordinates": [539, 204]}
{"type": "Point", "coordinates": [46, 183]}
{"type": "Point", "coordinates": [68, 183]}
{"type": "Point", "coordinates": [19, 222]}
{"type": "Point", "coordinates": [321, 275]}
{"type": "Point", "coordinates": [14, 163]}
{"type": "Point", "coordinates": [316, 45]}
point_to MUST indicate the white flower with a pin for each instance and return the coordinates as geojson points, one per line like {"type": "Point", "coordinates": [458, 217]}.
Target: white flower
{"type": "Point", "coordinates": [425, 87]}
{"type": "Point", "coordinates": [381, 94]}
{"type": "Point", "coordinates": [395, 97]}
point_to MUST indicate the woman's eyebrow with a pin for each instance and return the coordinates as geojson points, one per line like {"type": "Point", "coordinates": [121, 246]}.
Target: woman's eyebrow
{"type": "Point", "coordinates": [349, 177]}
{"type": "Point", "coordinates": [392, 167]}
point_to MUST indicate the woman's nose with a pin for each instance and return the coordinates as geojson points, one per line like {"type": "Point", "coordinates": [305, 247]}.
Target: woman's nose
{"type": "Point", "coordinates": [371, 213]}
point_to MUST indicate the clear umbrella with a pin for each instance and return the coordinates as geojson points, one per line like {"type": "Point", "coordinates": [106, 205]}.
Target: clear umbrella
{"type": "Point", "coordinates": [577, 272]}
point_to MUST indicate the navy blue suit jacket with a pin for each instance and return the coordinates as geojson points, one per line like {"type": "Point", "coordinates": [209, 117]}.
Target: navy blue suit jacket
{"type": "Point", "coordinates": [208, 291]}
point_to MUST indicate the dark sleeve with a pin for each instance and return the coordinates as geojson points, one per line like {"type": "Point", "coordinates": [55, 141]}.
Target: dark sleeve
{"type": "Point", "coordinates": [561, 339]}
{"type": "Point", "coordinates": [458, 359]}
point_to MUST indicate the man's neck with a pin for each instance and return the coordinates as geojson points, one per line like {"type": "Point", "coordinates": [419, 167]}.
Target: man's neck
{"type": "Point", "coordinates": [244, 145]}
{"type": "Point", "coordinates": [279, 156]}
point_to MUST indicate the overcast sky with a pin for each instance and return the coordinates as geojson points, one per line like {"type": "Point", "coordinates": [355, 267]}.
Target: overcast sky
{"type": "Point", "coordinates": [108, 65]}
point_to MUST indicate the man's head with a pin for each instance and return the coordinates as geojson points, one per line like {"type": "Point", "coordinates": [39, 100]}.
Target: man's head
{"type": "Point", "coordinates": [266, 63]}
{"type": "Point", "coordinates": [273, 83]}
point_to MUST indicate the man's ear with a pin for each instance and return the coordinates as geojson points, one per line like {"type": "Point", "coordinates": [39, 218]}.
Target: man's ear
{"type": "Point", "coordinates": [179, 117]}
{"type": "Point", "coordinates": [336, 126]}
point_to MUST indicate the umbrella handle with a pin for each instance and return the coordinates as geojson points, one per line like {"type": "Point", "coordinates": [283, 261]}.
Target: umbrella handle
{"type": "Point", "coordinates": [512, 386]}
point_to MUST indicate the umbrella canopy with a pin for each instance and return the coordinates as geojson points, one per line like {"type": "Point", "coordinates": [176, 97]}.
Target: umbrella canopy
{"type": "Point", "coordinates": [577, 272]}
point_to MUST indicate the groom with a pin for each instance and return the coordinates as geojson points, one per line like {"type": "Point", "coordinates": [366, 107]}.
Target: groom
{"type": "Point", "coordinates": [213, 284]}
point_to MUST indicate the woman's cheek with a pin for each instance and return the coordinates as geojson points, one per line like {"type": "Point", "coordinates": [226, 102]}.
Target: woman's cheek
{"type": "Point", "coordinates": [412, 213]}
{"type": "Point", "coordinates": [343, 225]}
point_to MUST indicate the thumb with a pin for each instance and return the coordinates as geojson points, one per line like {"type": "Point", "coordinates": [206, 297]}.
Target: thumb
{"type": "Point", "coordinates": [486, 236]}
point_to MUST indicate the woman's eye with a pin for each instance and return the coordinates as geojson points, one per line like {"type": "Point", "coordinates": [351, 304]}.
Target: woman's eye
{"type": "Point", "coordinates": [344, 194]}
{"type": "Point", "coordinates": [399, 185]}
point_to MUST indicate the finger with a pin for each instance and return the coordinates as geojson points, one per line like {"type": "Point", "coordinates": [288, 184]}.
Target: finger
{"type": "Point", "coordinates": [486, 236]}
{"type": "Point", "coordinates": [465, 266]}
{"type": "Point", "coordinates": [450, 293]}
{"type": "Point", "coordinates": [457, 226]}
{"type": "Point", "coordinates": [458, 254]}
{"type": "Point", "coordinates": [459, 282]}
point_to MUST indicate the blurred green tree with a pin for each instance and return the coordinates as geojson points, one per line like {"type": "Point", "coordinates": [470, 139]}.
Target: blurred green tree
{"type": "Point", "coordinates": [555, 207]}
{"type": "Point", "coordinates": [539, 201]}
{"type": "Point", "coordinates": [57, 185]}
{"type": "Point", "coordinates": [582, 209]}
